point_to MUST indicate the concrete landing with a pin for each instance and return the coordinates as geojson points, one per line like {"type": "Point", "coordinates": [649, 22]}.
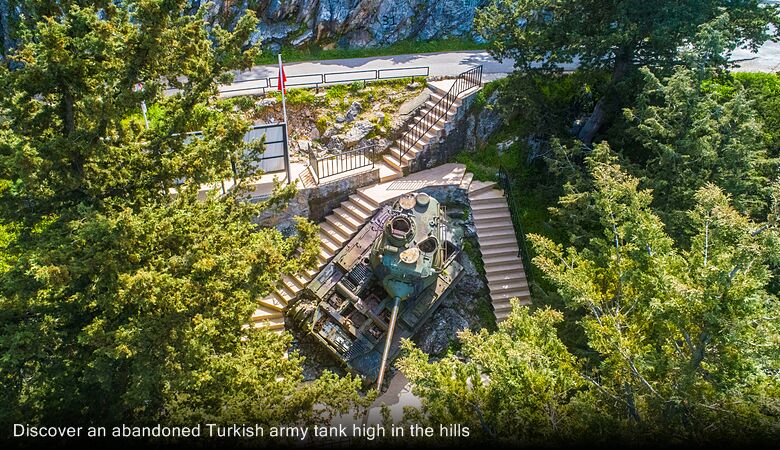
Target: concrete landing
{"type": "Point", "coordinates": [450, 174]}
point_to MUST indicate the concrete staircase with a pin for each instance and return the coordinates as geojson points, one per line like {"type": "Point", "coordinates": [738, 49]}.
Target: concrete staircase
{"type": "Point", "coordinates": [498, 244]}
{"type": "Point", "coordinates": [392, 162]}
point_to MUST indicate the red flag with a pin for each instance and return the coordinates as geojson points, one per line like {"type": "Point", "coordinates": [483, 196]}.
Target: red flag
{"type": "Point", "coordinates": [282, 83]}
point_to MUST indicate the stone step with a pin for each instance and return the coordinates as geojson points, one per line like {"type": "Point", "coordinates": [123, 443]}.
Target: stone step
{"type": "Point", "coordinates": [487, 196]}
{"type": "Point", "coordinates": [434, 132]}
{"type": "Point", "coordinates": [490, 196]}
{"type": "Point", "coordinates": [508, 295]}
{"type": "Point", "coordinates": [264, 313]}
{"type": "Point", "coordinates": [344, 227]}
{"type": "Point", "coordinates": [500, 251]}
{"type": "Point", "coordinates": [492, 260]}
{"type": "Point", "coordinates": [508, 272]}
{"type": "Point", "coordinates": [490, 207]}
{"type": "Point", "coordinates": [271, 302]}
{"type": "Point", "coordinates": [362, 203]}
{"type": "Point", "coordinates": [487, 230]}
{"type": "Point", "coordinates": [334, 234]}
{"type": "Point", "coordinates": [350, 215]}
{"type": "Point", "coordinates": [502, 315]}
{"type": "Point", "coordinates": [503, 305]}
{"type": "Point", "coordinates": [438, 95]}
{"type": "Point", "coordinates": [294, 285]}
{"type": "Point", "coordinates": [495, 214]}
{"type": "Point", "coordinates": [327, 242]}
{"type": "Point", "coordinates": [392, 161]}
{"type": "Point", "coordinates": [478, 187]}
{"type": "Point", "coordinates": [488, 226]}
{"type": "Point", "coordinates": [356, 211]}
{"type": "Point", "coordinates": [284, 296]}
{"type": "Point", "coordinates": [365, 197]}
{"type": "Point", "coordinates": [408, 156]}
{"type": "Point", "coordinates": [497, 287]}
{"type": "Point", "coordinates": [324, 257]}
{"type": "Point", "coordinates": [302, 278]}
{"type": "Point", "coordinates": [498, 241]}
{"type": "Point", "coordinates": [276, 323]}
{"type": "Point", "coordinates": [388, 172]}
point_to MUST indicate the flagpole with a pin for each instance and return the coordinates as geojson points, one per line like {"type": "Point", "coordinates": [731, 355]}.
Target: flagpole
{"type": "Point", "coordinates": [283, 88]}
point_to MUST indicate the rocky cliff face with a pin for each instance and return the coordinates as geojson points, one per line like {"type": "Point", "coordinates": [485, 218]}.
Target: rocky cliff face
{"type": "Point", "coordinates": [352, 23]}
{"type": "Point", "coordinates": [343, 23]}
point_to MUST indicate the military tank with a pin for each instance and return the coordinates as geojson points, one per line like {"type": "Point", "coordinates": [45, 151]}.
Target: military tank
{"type": "Point", "coordinates": [384, 284]}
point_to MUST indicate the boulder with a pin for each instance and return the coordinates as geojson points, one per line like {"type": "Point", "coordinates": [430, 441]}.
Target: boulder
{"type": "Point", "coordinates": [358, 132]}
{"type": "Point", "coordinates": [351, 113]}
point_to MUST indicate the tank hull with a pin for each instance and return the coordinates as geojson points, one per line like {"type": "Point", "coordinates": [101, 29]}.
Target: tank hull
{"type": "Point", "coordinates": [347, 306]}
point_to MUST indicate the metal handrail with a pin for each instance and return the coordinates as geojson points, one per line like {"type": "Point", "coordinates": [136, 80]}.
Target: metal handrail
{"type": "Point", "coordinates": [332, 165]}
{"type": "Point", "coordinates": [506, 183]}
{"type": "Point", "coordinates": [465, 81]}
{"type": "Point", "coordinates": [301, 80]}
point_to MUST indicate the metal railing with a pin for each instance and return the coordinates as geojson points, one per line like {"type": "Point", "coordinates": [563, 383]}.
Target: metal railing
{"type": "Point", "coordinates": [465, 81]}
{"type": "Point", "coordinates": [331, 165]}
{"type": "Point", "coordinates": [316, 80]}
{"type": "Point", "coordinates": [507, 184]}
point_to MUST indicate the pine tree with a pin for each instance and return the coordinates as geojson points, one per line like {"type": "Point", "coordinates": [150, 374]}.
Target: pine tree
{"type": "Point", "coordinates": [124, 296]}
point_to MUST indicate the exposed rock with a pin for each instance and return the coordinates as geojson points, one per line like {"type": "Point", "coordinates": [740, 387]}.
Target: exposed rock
{"type": "Point", "coordinates": [471, 135]}
{"type": "Point", "coordinates": [355, 23]}
{"type": "Point", "coordinates": [303, 145]}
{"type": "Point", "coordinates": [489, 119]}
{"type": "Point", "coordinates": [358, 132]}
{"type": "Point", "coordinates": [333, 130]}
{"type": "Point", "coordinates": [351, 113]}
{"type": "Point", "coordinates": [336, 144]}
{"type": "Point", "coordinates": [271, 31]}
{"type": "Point", "coordinates": [435, 336]}
{"type": "Point", "coordinates": [306, 36]}
{"type": "Point", "coordinates": [266, 101]}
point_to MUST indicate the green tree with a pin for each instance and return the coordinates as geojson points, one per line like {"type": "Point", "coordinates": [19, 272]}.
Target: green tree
{"type": "Point", "coordinates": [517, 384]}
{"type": "Point", "coordinates": [694, 137]}
{"type": "Point", "coordinates": [685, 339]}
{"type": "Point", "coordinates": [124, 291]}
{"type": "Point", "coordinates": [616, 37]}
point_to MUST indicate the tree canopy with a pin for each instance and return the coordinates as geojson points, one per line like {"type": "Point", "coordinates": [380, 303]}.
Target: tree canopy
{"type": "Point", "coordinates": [682, 341]}
{"type": "Point", "coordinates": [618, 36]}
{"type": "Point", "coordinates": [124, 292]}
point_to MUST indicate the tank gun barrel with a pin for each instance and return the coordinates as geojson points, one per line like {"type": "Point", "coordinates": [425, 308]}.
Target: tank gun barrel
{"type": "Point", "coordinates": [388, 341]}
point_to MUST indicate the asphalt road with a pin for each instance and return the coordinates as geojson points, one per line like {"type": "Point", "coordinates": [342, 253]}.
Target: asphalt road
{"type": "Point", "coordinates": [449, 64]}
